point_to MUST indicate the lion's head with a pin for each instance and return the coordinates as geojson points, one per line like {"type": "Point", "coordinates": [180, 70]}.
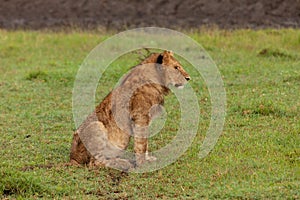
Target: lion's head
{"type": "Point", "coordinates": [171, 69]}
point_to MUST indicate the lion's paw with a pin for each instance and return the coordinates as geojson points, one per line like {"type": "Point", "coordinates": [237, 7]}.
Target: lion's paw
{"type": "Point", "coordinates": [151, 158]}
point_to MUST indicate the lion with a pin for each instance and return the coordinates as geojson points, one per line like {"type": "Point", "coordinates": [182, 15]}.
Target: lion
{"type": "Point", "coordinates": [125, 112]}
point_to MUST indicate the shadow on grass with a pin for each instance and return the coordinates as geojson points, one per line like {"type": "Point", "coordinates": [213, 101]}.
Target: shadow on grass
{"type": "Point", "coordinates": [18, 184]}
{"type": "Point", "coordinates": [277, 53]}
{"type": "Point", "coordinates": [55, 78]}
{"type": "Point", "coordinates": [23, 182]}
{"type": "Point", "coordinates": [262, 109]}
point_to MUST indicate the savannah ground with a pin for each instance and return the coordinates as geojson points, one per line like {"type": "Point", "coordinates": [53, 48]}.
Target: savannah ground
{"type": "Point", "coordinates": [257, 155]}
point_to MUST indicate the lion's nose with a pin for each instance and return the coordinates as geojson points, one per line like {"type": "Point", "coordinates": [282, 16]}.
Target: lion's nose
{"type": "Point", "coordinates": [187, 78]}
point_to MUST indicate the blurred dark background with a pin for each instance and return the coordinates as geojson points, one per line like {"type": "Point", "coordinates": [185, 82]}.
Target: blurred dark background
{"type": "Point", "coordinates": [123, 14]}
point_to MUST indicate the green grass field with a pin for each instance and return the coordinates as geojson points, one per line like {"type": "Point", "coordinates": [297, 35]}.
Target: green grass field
{"type": "Point", "coordinates": [256, 157]}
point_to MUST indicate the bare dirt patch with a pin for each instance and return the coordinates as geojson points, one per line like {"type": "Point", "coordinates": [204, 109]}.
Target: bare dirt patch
{"type": "Point", "coordinates": [119, 15]}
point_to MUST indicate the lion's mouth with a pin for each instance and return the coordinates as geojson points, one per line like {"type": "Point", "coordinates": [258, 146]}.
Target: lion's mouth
{"type": "Point", "coordinates": [179, 86]}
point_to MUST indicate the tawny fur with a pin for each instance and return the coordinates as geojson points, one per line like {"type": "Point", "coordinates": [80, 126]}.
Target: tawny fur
{"type": "Point", "coordinates": [107, 137]}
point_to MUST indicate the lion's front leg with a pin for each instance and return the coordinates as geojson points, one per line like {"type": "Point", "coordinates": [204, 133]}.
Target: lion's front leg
{"type": "Point", "coordinates": [141, 134]}
{"type": "Point", "coordinates": [140, 149]}
{"type": "Point", "coordinates": [148, 157]}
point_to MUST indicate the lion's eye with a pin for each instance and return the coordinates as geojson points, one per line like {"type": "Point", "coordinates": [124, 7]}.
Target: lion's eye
{"type": "Point", "coordinates": [176, 67]}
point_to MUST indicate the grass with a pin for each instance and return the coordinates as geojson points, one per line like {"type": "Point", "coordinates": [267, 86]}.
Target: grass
{"type": "Point", "coordinates": [257, 156]}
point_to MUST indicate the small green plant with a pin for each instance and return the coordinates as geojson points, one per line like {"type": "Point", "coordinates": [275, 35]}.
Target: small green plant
{"type": "Point", "coordinates": [37, 75]}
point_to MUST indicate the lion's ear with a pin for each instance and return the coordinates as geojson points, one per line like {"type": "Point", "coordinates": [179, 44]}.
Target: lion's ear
{"type": "Point", "coordinates": [166, 57]}
{"type": "Point", "coordinates": [160, 59]}
{"type": "Point", "coordinates": [170, 53]}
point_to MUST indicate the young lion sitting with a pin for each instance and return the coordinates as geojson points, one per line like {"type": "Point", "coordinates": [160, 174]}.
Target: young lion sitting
{"type": "Point", "coordinates": [127, 111]}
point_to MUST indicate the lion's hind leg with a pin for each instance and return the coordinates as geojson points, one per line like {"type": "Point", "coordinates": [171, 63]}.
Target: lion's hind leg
{"type": "Point", "coordinates": [78, 155]}
{"type": "Point", "coordinates": [95, 139]}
